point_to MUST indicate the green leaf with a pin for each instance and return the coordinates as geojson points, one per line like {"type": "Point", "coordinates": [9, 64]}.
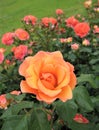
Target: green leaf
{"type": "Point", "coordinates": [66, 110]}
{"type": "Point", "coordinates": [95, 99]}
{"type": "Point", "coordinates": [87, 78]}
{"type": "Point", "coordinates": [14, 109]}
{"type": "Point", "coordinates": [16, 123]}
{"type": "Point", "coordinates": [39, 120]}
{"type": "Point", "coordinates": [15, 97]}
{"type": "Point", "coordinates": [83, 99]}
{"type": "Point", "coordinates": [79, 126]}
{"type": "Point", "coordinates": [97, 127]}
{"type": "Point", "coordinates": [94, 61]}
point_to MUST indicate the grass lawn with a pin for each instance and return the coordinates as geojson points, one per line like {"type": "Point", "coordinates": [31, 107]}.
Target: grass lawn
{"type": "Point", "coordinates": [12, 11]}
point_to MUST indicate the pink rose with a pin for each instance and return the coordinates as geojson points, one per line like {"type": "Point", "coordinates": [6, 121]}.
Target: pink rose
{"type": "Point", "coordinates": [20, 52]}
{"type": "Point", "coordinates": [59, 11]}
{"type": "Point", "coordinates": [8, 38]}
{"type": "Point", "coordinates": [3, 101]}
{"type": "Point", "coordinates": [1, 57]}
{"type": "Point", "coordinates": [86, 42]}
{"type": "Point", "coordinates": [30, 19]}
{"type": "Point", "coordinates": [71, 22]}
{"type": "Point", "coordinates": [80, 119]}
{"type": "Point", "coordinates": [75, 46]}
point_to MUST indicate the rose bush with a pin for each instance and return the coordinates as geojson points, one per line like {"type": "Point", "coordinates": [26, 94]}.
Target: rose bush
{"type": "Point", "coordinates": [54, 62]}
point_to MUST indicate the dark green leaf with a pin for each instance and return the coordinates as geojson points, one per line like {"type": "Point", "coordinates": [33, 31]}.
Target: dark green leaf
{"type": "Point", "coordinates": [87, 78]}
{"type": "Point", "coordinates": [39, 120]}
{"type": "Point", "coordinates": [16, 123]}
{"type": "Point", "coordinates": [14, 109]}
{"type": "Point", "coordinates": [79, 126]}
{"type": "Point", "coordinates": [83, 99]}
{"type": "Point", "coordinates": [66, 110]}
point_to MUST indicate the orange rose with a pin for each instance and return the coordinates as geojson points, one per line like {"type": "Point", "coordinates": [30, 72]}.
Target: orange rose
{"type": "Point", "coordinates": [22, 34]}
{"type": "Point", "coordinates": [47, 76]}
{"type": "Point", "coordinates": [82, 29]}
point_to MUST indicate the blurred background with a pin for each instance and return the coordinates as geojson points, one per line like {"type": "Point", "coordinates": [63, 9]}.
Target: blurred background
{"type": "Point", "coordinates": [12, 11]}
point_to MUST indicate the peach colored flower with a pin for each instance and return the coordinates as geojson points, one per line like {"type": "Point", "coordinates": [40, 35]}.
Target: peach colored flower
{"type": "Point", "coordinates": [88, 3]}
{"type": "Point", "coordinates": [7, 61]}
{"type": "Point", "coordinates": [82, 29]}
{"type": "Point", "coordinates": [86, 42]}
{"type": "Point", "coordinates": [1, 57]}
{"type": "Point", "coordinates": [8, 38]}
{"type": "Point", "coordinates": [15, 92]}
{"type": "Point", "coordinates": [96, 29]}
{"type": "Point", "coordinates": [21, 34]}
{"type": "Point", "coordinates": [80, 119]}
{"type": "Point", "coordinates": [71, 22]}
{"type": "Point", "coordinates": [2, 50]}
{"type": "Point", "coordinates": [46, 21]}
{"type": "Point", "coordinates": [75, 46]}
{"type": "Point", "coordinates": [63, 40]}
{"type": "Point", "coordinates": [59, 11]}
{"type": "Point", "coordinates": [20, 52]}
{"type": "Point", "coordinates": [3, 101]}
{"type": "Point", "coordinates": [30, 19]}
{"type": "Point", "coordinates": [48, 76]}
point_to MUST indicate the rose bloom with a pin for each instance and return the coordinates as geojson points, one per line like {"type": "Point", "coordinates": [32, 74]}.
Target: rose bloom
{"type": "Point", "coordinates": [21, 34]}
{"type": "Point", "coordinates": [80, 119]}
{"type": "Point", "coordinates": [96, 29]}
{"type": "Point", "coordinates": [63, 40]}
{"type": "Point", "coordinates": [88, 3]}
{"type": "Point", "coordinates": [75, 46]}
{"type": "Point", "coordinates": [59, 11]}
{"type": "Point", "coordinates": [46, 21]}
{"type": "Point", "coordinates": [48, 77]}
{"type": "Point", "coordinates": [15, 92]}
{"type": "Point", "coordinates": [8, 38]}
{"type": "Point", "coordinates": [86, 42]}
{"type": "Point", "coordinates": [82, 29]}
{"type": "Point", "coordinates": [7, 61]}
{"type": "Point", "coordinates": [20, 52]}
{"type": "Point", "coordinates": [71, 22]}
{"type": "Point", "coordinates": [2, 50]}
{"type": "Point", "coordinates": [3, 101]}
{"type": "Point", "coordinates": [30, 19]}
{"type": "Point", "coordinates": [1, 57]}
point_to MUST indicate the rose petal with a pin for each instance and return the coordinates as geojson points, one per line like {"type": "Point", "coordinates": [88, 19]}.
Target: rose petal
{"type": "Point", "coordinates": [48, 68]}
{"type": "Point", "coordinates": [65, 94]}
{"type": "Point", "coordinates": [26, 89]}
{"type": "Point", "coordinates": [73, 81]}
{"type": "Point", "coordinates": [24, 66]}
{"type": "Point", "coordinates": [57, 54]}
{"type": "Point", "coordinates": [45, 98]}
{"type": "Point", "coordinates": [61, 74]}
{"type": "Point", "coordinates": [46, 91]}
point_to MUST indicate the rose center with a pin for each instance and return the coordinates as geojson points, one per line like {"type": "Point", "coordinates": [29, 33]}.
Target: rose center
{"type": "Point", "coordinates": [49, 80]}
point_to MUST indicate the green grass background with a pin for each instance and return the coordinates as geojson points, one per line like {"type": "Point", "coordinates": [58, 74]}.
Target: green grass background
{"type": "Point", "coordinates": [12, 11]}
